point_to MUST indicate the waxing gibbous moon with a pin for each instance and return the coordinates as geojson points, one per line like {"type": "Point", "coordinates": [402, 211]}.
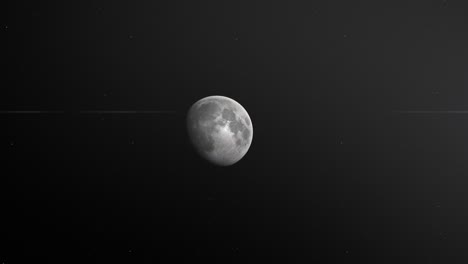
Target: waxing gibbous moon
{"type": "Point", "coordinates": [220, 129]}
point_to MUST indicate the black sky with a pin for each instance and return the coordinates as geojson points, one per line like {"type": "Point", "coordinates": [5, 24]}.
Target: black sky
{"type": "Point", "coordinates": [334, 173]}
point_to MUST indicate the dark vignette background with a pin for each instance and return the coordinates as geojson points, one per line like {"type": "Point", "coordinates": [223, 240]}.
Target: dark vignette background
{"type": "Point", "coordinates": [333, 174]}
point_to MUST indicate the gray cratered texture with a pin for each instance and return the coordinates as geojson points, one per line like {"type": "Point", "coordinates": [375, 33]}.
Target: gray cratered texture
{"type": "Point", "coordinates": [220, 129]}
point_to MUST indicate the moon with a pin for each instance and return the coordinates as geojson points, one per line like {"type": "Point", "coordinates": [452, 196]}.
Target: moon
{"type": "Point", "coordinates": [220, 129]}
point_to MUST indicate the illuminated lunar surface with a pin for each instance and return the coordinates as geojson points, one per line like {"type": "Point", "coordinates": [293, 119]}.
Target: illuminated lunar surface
{"type": "Point", "coordinates": [220, 129]}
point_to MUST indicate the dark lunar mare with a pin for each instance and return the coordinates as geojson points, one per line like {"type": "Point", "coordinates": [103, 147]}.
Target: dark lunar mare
{"type": "Point", "coordinates": [236, 125]}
